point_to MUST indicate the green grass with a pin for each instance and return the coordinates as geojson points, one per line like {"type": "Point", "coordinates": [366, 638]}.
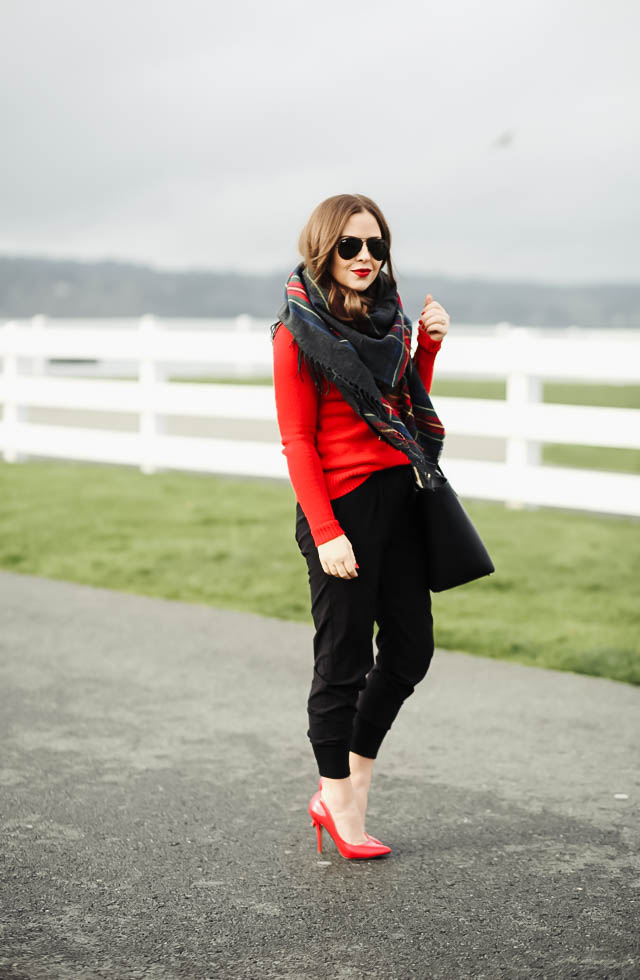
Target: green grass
{"type": "Point", "coordinates": [592, 457]}
{"type": "Point", "coordinates": [564, 594]}
{"type": "Point", "coordinates": [562, 393]}
{"type": "Point", "coordinates": [615, 396]}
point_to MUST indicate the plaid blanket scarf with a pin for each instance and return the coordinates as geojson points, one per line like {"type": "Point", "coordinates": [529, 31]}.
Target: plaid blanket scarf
{"type": "Point", "coordinates": [370, 365]}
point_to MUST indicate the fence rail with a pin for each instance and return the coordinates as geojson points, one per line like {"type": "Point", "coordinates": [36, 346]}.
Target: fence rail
{"type": "Point", "coordinates": [522, 356]}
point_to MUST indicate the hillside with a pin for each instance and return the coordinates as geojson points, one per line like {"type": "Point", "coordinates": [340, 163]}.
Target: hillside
{"type": "Point", "coordinates": [68, 288]}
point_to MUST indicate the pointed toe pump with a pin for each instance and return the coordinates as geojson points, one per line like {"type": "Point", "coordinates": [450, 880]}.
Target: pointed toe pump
{"type": "Point", "coordinates": [374, 839]}
{"type": "Point", "coordinates": [321, 818]}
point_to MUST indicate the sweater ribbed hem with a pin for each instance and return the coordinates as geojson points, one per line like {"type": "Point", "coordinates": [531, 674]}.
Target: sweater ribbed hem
{"type": "Point", "coordinates": [426, 341]}
{"type": "Point", "coordinates": [342, 482]}
{"type": "Point", "coordinates": [326, 532]}
{"type": "Point", "coordinates": [339, 486]}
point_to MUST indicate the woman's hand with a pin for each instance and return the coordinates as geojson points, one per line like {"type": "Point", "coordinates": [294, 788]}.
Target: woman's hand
{"type": "Point", "coordinates": [337, 558]}
{"type": "Point", "coordinates": [434, 319]}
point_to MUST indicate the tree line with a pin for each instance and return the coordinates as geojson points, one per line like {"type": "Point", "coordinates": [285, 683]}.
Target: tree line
{"type": "Point", "coordinates": [70, 288]}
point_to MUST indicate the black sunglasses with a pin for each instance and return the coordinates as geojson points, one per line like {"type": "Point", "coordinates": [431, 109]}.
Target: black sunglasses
{"type": "Point", "coordinates": [349, 247]}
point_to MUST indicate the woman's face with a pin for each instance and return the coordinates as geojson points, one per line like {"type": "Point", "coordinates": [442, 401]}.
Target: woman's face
{"type": "Point", "coordinates": [362, 225]}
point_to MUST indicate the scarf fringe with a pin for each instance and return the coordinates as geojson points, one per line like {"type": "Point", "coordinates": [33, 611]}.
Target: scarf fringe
{"type": "Point", "coordinates": [381, 413]}
{"type": "Point", "coordinates": [375, 405]}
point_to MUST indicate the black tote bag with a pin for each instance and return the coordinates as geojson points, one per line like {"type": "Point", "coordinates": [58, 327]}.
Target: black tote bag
{"type": "Point", "coordinates": [454, 549]}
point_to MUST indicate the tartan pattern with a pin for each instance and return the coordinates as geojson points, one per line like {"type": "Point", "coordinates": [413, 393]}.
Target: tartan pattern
{"type": "Point", "coordinates": [371, 367]}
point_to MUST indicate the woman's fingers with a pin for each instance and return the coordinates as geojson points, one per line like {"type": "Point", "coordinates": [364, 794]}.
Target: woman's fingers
{"type": "Point", "coordinates": [436, 316]}
{"type": "Point", "coordinates": [337, 558]}
{"type": "Point", "coordinates": [344, 570]}
{"type": "Point", "coordinates": [339, 570]}
{"type": "Point", "coordinates": [434, 309]}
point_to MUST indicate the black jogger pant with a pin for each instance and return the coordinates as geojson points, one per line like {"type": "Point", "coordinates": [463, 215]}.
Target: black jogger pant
{"type": "Point", "coordinates": [353, 701]}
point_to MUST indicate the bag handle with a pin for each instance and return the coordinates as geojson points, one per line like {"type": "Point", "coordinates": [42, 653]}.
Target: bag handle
{"type": "Point", "coordinates": [435, 477]}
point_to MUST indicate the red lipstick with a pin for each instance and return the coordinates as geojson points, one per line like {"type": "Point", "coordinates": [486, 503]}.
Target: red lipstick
{"type": "Point", "coordinates": [361, 272]}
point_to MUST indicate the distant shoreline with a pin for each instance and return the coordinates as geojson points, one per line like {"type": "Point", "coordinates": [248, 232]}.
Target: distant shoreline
{"type": "Point", "coordinates": [76, 289]}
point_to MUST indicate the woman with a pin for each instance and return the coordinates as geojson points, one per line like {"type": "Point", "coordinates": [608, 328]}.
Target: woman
{"type": "Point", "coordinates": [359, 434]}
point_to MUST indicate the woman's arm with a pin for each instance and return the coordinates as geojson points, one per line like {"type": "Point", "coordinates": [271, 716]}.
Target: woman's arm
{"type": "Point", "coordinates": [424, 357]}
{"type": "Point", "coordinates": [433, 325]}
{"type": "Point", "coordinates": [296, 399]}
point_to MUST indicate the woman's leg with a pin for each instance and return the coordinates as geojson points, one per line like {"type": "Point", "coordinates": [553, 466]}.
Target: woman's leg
{"type": "Point", "coordinates": [404, 639]}
{"type": "Point", "coordinates": [343, 614]}
{"type": "Point", "coordinates": [361, 773]}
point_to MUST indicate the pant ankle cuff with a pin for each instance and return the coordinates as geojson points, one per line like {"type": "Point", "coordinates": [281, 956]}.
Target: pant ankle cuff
{"type": "Point", "coordinates": [333, 760]}
{"type": "Point", "coordinates": [366, 738]}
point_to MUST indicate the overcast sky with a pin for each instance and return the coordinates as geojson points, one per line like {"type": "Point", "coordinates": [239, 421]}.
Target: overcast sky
{"type": "Point", "coordinates": [500, 138]}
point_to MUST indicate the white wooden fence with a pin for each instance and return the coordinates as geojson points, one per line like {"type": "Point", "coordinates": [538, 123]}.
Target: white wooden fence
{"type": "Point", "coordinates": [523, 356]}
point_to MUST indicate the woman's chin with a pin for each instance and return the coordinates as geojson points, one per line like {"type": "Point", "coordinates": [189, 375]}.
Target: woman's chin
{"type": "Point", "coordinates": [361, 285]}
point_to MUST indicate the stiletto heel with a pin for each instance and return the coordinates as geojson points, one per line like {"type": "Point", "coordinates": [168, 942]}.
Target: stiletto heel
{"type": "Point", "coordinates": [374, 839]}
{"type": "Point", "coordinates": [321, 817]}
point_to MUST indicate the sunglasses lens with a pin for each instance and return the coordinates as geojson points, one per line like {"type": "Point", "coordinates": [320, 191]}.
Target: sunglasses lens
{"type": "Point", "coordinates": [378, 248]}
{"type": "Point", "coordinates": [349, 247]}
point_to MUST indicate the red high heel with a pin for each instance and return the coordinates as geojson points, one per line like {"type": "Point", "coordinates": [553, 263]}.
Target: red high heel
{"type": "Point", "coordinates": [370, 836]}
{"type": "Point", "coordinates": [321, 817]}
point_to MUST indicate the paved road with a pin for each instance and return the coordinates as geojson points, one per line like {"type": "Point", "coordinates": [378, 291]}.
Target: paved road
{"type": "Point", "coordinates": [155, 774]}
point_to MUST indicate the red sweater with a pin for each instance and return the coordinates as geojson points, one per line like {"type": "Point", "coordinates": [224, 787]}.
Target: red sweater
{"type": "Point", "coordinates": [329, 449]}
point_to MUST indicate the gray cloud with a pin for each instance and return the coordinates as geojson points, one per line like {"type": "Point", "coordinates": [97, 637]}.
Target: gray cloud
{"type": "Point", "coordinates": [500, 139]}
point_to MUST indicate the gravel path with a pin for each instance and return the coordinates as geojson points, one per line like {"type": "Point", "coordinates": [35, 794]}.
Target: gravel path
{"type": "Point", "coordinates": [154, 778]}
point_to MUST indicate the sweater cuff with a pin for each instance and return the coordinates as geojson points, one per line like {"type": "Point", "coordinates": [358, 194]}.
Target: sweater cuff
{"type": "Point", "coordinates": [424, 340]}
{"type": "Point", "coordinates": [326, 532]}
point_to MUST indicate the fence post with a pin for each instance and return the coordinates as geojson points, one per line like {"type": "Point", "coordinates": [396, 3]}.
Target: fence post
{"type": "Point", "coordinates": [149, 374]}
{"type": "Point", "coordinates": [38, 363]}
{"type": "Point", "coordinates": [522, 390]}
{"type": "Point", "coordinates": [14, 413]}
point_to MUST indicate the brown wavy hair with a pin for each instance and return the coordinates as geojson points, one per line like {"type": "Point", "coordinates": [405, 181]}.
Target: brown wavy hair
{"type": "Point", "coordinates": [318, 240]}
